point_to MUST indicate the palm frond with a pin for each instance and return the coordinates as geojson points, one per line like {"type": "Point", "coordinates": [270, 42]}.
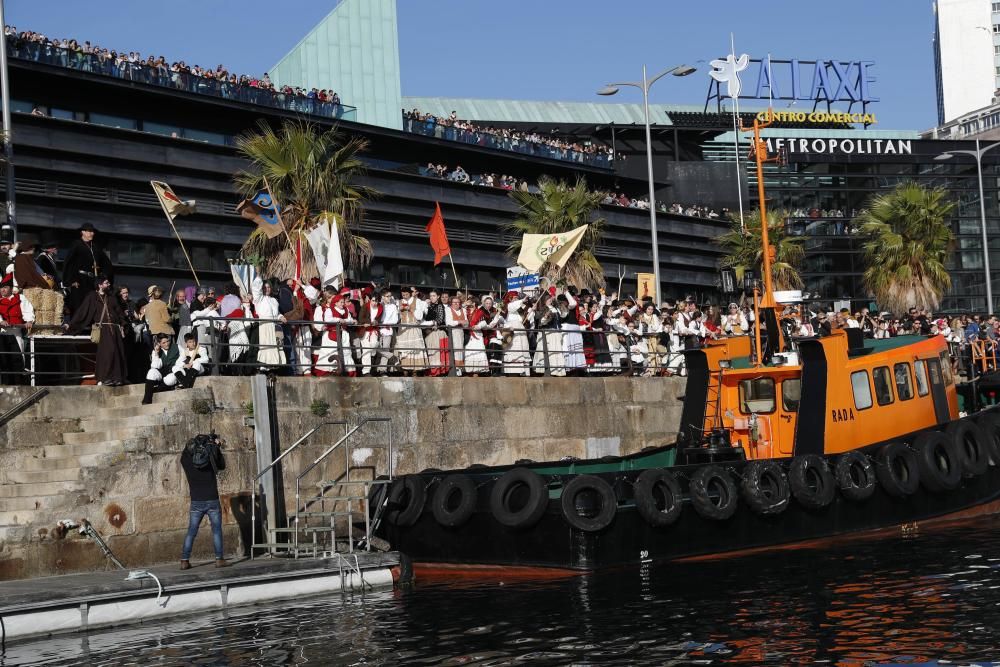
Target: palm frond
{"type": "Point", "coordinates": [743, 247]}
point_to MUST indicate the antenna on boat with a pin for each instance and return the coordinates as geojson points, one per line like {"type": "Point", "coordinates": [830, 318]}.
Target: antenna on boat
{"type": "Point", "coordinates": [764, 299]}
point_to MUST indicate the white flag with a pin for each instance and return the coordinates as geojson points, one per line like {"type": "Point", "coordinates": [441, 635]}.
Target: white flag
{"type": "Point", "coordinates": [319, 241]}
{"type": "Point", "coordinates": [334, 272]}
{"type": "Point", "coordinates": [243, 276]}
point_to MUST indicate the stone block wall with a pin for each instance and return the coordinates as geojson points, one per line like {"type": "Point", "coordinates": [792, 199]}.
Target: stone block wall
{"type": "Point", "coordinates": [95, 453]}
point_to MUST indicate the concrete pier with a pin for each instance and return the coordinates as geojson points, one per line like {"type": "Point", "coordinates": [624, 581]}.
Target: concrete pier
{"type": "Point", "coordinates": [77, 602]}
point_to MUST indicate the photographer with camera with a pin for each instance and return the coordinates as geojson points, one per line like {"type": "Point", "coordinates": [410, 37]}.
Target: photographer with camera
{"type": "Point", "coordinates": [202, 461]}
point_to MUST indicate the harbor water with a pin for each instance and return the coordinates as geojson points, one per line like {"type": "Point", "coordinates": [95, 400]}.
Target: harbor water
{"type": "Point", "coordinates": [926, 598]}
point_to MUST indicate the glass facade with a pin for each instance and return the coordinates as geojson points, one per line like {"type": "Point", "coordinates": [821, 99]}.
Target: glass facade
{"type": "Point", "coordinates": [824, 192]}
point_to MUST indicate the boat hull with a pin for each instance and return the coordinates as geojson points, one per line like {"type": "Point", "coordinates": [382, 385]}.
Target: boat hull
{"type": "Point", "coordinates": [630, 539]}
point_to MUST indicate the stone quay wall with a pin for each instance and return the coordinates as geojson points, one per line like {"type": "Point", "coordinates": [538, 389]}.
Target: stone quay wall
{"type": "Point", "coordinates": [95, 453]}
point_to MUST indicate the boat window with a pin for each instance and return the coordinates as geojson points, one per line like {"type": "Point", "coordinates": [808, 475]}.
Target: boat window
{"type": "Point", "coordinates": [946, 368]}
{"type": "Point", "coordinates": [934, 370]}
{"type": "Point", "coordinates": [920, 370]}
{"type": "Point", "coordinates": [757, 396]}
{"type": "Point", "coordinates": [862, 390]}
{"type": "Point", "coordinates": [791, 393]}
{"type": "Point", "coordinates": [883, 385]}
{"type": "Point", "coordinates": [904, 388]}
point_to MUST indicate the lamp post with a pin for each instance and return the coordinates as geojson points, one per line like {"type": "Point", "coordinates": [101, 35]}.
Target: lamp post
{"type": "Point", "coordinates": [644, 86]}
{"type": "Point", "coordinates": [978, 155]}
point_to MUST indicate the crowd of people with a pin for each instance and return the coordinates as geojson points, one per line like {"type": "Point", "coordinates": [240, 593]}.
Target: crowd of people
{"type": "Point", "coordinates": [453, 128]}
{"type": "Point", "coordinates": [178, 74]}
{"type": "Point", "coordinates": [304, 328]}
{"type": "Point", "coordinates": [487, 180]}
{"type": "Point", "coordinates": [642, 203]}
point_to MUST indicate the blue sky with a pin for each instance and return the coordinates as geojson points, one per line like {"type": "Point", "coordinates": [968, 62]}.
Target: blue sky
{"type": "Point", "coordinates": [538, 49]}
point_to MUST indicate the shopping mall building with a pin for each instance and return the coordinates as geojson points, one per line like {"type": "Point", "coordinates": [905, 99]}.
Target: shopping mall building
{"type": "Point", "coordinates": [96, 138]}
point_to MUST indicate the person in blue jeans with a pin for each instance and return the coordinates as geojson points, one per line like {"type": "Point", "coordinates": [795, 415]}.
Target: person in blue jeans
{"type": "Point", "coordinates": [202, 476]}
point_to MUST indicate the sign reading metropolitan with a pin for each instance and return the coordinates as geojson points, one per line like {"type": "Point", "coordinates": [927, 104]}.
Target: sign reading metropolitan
{"type": "Point", "coordinates": [840, 146]}
{"type": "Point", "coordinates": [795, 80]}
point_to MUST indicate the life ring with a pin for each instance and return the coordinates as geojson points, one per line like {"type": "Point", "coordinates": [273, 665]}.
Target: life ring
{"type": "Point", "coordinates": [454, 500]}
{"type": "Point", "coordinates": [713, 493]}
{"type": "Point", "coordinates": [658, 495]}
{"type": "Point", "coordinates": [765, 487]}
{"type": "Point", "coordinates": [971, 443]}
{"type": "Point", "coordinates": [519, 498]}
{"type": "Point", "coordinates": [897, 470]}
{"type": "Point", "coordinates": [939, 461]}
{"type": "Point", "coordinates": [406, 501]}
{"type": "Point", "coordinates": [855, 476]}
{"type": "Point", "coordinates": [812, 482]}
{"type": "Point", "coordinates": [990, 423]}
{"type": "Point", "coordinates": [588, 503]}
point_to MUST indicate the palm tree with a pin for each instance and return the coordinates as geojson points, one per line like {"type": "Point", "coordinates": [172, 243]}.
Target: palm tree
{"type": "Point", "coordinates": [743, 248]}
{"type": "Point", "coordinates": [907, 241]}
{"type": "Point", "coordinates": [313, 176]}
{"type": "Point", "coordinates": [556, 208]}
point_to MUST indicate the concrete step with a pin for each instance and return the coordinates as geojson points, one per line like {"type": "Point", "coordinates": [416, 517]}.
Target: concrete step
{"type": "Point", "coordinates": [112, 433]}
{"type": "Point", "coordinates": [31, 477]}
{"type": "Point", "coordinates": [17, 517]}
{"type": "Point", "coordinates": [161, 398]}
{"type": "Point", "coordinates": [42, 463]}
{"type": "Point", "coordinates": [38, 489]}
{"type": "Point", "coordinates": [91, 424]}
{"type": "Point", "coordinates": [29, 503]}
{"type": "Point", "coordinates": [85, 449]}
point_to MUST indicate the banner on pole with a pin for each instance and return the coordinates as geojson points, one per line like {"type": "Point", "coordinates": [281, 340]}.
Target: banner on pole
{"type": "Point", "coordinates": [519, 278]}
{"type": "Point", "coordinates": [536, 249]}
{"type": "Point", "coordinates": [646, 286]}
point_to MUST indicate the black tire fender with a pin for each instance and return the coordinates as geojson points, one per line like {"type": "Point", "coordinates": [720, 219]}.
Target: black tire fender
{"type": "Point", "coordinates": [972, 445]}
{"type": "Point", "coordinates": [653, 486]}
{"type": "Point", "coordinates": [812, 482]}
{"type": "Point", "coordinates": [990, 423]}
{"type": "Point", "coordinates": [447, 511]}
{"type": "Point", "coordinates": [713, 493]}
{"type": "Point", "coordinates": [502, 495]}
{"type": "Point", "coordinates": [855, 476]}
{"type": "Point", "coordinates": [897, 470]}
{"type": "Point", "coordinates": [939, 460]}
{"type": "Point", "coordinates": [595, 488]}
{"type": "Point", "coordinates": [765, 487]}
{"type": "Point", "coordinates": [406, 501]}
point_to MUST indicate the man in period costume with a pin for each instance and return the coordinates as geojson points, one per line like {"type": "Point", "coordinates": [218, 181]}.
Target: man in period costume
{"type": "Point", "coordinates": [16, 317]}
{"type": "Point", "coordinates": [47, 260]}
{"type": "Point", "coordinates": [101, 308]}
{"type": "Point", "coordinates": [157, 315]}
{"type": "Point", "coordinates": [372, 313]}
{"type": "Point", "coordinates": [164, 357]}
{"type": "Point", "coordinates": [191, 362]}
{"type": "Point", "coordinates": [84, 262]}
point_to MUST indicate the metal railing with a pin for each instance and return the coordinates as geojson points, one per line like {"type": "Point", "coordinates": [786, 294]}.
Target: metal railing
{"type": "Point", "coordinates": [163, 77]}
{"type": "Point", "coordinates": [483, 137]}
{"type": "Point", "coordinates": [270, 466]}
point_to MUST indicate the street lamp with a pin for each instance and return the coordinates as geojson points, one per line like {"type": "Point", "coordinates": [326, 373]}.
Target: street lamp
{"type": "Point", "coordinates": [644, 86]}
{"type": "Point", "coordinates": [978, 155]}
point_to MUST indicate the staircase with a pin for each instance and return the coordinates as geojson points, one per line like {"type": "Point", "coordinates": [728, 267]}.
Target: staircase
{"type": "Point", "coordinates": [50, 477]}
{"type": "Point", "coordinates": [328, 522]}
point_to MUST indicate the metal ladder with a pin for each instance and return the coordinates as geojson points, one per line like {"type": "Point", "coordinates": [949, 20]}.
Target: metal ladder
{"type": "Point", "coordinates": [344, 504]}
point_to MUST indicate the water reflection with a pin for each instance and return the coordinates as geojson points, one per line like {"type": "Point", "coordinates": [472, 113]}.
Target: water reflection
{"type": "Point", "coordinates": [915, 601]}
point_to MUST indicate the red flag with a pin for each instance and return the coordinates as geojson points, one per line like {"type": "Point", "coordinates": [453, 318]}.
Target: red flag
{"type": "Point", "coordinates": [439, 238]}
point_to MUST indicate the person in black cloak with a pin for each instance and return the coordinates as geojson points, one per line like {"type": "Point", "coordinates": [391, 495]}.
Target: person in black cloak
{"type": "Point", "coordinates": [103, 308]}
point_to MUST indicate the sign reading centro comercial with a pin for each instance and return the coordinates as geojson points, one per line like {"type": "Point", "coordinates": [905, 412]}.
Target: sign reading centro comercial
{"type": "Point", "coordinates": [859, 146]}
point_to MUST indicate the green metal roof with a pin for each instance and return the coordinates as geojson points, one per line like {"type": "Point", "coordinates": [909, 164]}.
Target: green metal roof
{"type": "Point", "coordinates": [526, 111]}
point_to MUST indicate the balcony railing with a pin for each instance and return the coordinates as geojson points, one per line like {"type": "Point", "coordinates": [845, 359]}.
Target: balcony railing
{"type": "Point", "coordinates": [162, 77]}
{"type": "Point", "coordinates": [480, 137]}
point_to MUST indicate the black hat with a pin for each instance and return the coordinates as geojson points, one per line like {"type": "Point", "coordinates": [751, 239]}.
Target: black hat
{"type": "Point", "coordinates": [48, 242]}
{"type": "Point", "coordinates": [585, 292]}
{"type": "Point", "coordinates": [87, 227]}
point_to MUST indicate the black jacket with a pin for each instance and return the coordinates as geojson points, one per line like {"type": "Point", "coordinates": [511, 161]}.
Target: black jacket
{"type": "Point", "coordinates": [81, 260]}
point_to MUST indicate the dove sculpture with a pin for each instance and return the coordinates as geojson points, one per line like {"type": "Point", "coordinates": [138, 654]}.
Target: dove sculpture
{"type": "Point", "coordinates": [728, 71]}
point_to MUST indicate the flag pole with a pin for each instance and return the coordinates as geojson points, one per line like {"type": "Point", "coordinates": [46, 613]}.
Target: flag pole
{"type": "Point", "coordinates": [277, 212]}
{"type": "Point", "coordinates": [179, 239]}
{"type": "Point", "coordinates": [454, 272]}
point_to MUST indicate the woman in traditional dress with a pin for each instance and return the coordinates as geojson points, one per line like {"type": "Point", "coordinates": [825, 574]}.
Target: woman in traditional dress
{"type": "Point", "coordinates": [483, 325]}
{"type": "Point", "coordinates": [517, 355]}
{"type": "Point", "coordinates": [436, 338]}
{"type": "Point", "coordinates": [270, 353]}
{"type": "Point", "coordinates": [569, 323]}
{"type": "Point", "coordinates": [100, 307]}
{"type": "Point", "coordinates": [409, 348]}
{"type": "Point", "coordinates": [330, 322]}
{"type": "Point", "coordinates": [597, 325]}
{"type": "Point", "coordinates": [457, 320]}
{"type": "Point", "coordinates": [549, 342]}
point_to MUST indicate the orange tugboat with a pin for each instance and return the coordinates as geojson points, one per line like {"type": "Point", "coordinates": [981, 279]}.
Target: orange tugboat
{"type": "Point", "coordinates": [782, 441]}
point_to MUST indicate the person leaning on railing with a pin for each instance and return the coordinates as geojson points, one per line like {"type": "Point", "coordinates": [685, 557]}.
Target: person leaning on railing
{"type": "Point", "coordinates": [16, 318]}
